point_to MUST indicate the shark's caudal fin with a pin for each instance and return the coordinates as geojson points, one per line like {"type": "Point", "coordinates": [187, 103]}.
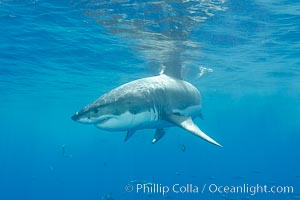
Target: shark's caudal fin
{"type": "Point", "coordinates": [187, 124]}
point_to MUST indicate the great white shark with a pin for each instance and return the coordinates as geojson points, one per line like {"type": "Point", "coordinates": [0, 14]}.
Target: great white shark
{"type": "Point", "coordinates": [155, 102]}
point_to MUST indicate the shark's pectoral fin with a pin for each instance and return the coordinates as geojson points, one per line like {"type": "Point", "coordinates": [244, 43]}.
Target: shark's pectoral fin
{"type": "Point", "coordinates": [129, 134]}
{"type": "Point", "coordinates": [159, 133]}
{"type": "Point", "coordinates": [188, 124]}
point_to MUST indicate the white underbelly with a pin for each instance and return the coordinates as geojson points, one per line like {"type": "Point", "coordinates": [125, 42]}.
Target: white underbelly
{"type": "Point", "coordinates": [127, 121]}
{"type": "Point", "coordinates": [144, 120]}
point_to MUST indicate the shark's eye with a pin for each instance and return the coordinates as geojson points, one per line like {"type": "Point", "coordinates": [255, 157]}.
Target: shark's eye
{"type": "Point", "coordinates": [95, 110]}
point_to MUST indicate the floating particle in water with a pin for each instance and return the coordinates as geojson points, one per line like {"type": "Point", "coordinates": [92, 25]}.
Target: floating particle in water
{"type": "Point", "coordinates": [256, 172]}
{"type": "Point", "coordinates": [194, 176]}
{"type": "Point", "coordinates": [149, 195]}
{"type": "Point", "coordinates": [51, 168]}
{"type": "Point", "coordinates": [295, 196]}
{"type": "Point", "coordinates": [168, 197]}
{"type": "Point", "coordinates": [182, 147]}
{"type": "Point", "coordinates": [138, 181]}
{"type": "Point", "coordinates": [239, 177]}
{"type": "Point", "coordinates": [64, 151]}
{"type": "Point", "coordinates": [33, 178]}
{"type": "Point", "coordinates": [135, 182]}
{"type": "Point", "coordinates": [223, 196]}
{"type": "Point", "coordinates": [178, 173]}
{"type": "Point", "coordinates": [272, 182]}
{"type": "Point", "coordinates": [246, 198]}
{"type": "Point", "coordinates": [212, 178]}
{"type": "Point", "coordinates": [107, 197]}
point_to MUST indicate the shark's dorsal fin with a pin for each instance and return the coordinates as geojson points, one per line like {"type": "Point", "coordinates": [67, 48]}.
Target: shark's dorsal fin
{"type": "Point", "coordinates": [172, 71]}
{"type": "Point", "coordinates": [187, 124]}
{"type": "Point", "coordinates": [159, 133]}
{"type": "Point", "coordinates": [129, 134]}
{"type": "Point", "coordinates": [172, 66]}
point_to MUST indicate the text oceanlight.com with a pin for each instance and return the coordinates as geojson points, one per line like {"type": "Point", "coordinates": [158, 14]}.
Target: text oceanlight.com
{"type": "Point", "coordinates": [249, 189]}
{"type": "Point", "coordinates": [161, 189]}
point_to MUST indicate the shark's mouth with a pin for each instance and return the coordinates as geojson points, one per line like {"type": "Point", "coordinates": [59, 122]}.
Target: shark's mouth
{"type": "Point", "coordinates": [103, 120]}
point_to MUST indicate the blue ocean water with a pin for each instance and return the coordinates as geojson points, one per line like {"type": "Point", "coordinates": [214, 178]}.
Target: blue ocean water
{"type": "Point", "coordinates": [57, 56]}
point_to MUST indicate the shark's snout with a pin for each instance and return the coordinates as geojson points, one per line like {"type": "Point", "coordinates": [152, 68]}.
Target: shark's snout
{"type": "Point", "coordinates": [75, 117]}
{"type": "Point", "coordinates": [83, 117]}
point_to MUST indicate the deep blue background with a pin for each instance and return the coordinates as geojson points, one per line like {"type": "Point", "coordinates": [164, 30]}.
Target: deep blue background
{"type": "Point", "coordinates": [54, 60]}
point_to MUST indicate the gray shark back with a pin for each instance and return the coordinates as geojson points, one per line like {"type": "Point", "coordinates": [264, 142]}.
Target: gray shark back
{"type": "Point", "coordinates": [162, 94]}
